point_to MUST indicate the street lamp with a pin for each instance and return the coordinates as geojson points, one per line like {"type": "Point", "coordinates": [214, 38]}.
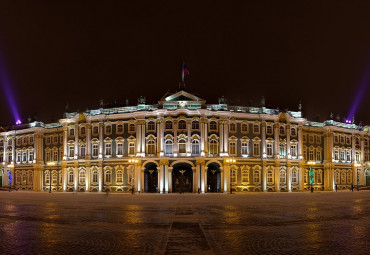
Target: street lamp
{"type": "Point", "coordinates": [311, 173]}
{"type": "Point", "coordinates": [357, 165]}
{"type": "Point", "coordinates": [229, 161]}
{"type": "Point", "coordinates": [133, 161]}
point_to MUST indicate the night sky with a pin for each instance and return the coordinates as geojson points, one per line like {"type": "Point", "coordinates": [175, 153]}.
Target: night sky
{"type": "Point", "coordinates": [58, 51]}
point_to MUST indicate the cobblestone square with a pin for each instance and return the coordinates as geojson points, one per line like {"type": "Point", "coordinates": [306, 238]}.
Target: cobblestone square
{"type": "Point", "coordinates": [252, 223]}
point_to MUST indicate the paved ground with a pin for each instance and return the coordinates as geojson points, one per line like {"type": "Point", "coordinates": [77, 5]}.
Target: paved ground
{"type": "Point", "coordinates": [252, 223]}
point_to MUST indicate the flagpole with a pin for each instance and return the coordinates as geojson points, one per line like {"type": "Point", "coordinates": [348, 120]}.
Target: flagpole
{"type": "Point", "coordinates": [182, 73]}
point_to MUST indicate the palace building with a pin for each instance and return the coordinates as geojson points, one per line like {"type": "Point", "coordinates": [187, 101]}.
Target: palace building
{"type": "Point", "coordinates": [183, 144]}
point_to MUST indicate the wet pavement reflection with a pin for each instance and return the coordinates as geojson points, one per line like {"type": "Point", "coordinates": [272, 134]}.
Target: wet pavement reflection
{"type": "Point", "coordinates": [252, 223]}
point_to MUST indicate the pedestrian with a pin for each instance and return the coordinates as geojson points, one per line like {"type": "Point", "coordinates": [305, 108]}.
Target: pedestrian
{"type": "Point", "coordinates": [352, 187]}
{"type": "Point", "coordinates": [336, 188]}
{"type": "Point", "coordinates": [198, 190]}
{"type": "Point", "coordinates": [311, 189]}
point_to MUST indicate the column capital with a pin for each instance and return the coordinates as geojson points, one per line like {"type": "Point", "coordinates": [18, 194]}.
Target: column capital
{"type": "Point", "coordinates": [163, 162]}
{"type": "Point", "coordinates": [200, 161]}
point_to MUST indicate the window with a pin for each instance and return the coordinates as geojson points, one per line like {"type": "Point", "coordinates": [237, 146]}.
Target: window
{"type": "Point", "coordinates": [341, 139]}
{"type": "Point", "coordinates": [269, 149]}
{"type": "Point", "coordinates": [182, 146]}
{"type": "Point", "coordinates": [244, 149]}
{"type": "Point", "coordinates": [318, 155]}
{"type": "Point", "coordinates": [256, 128]}
{"type": "Point", "coordinates": [31, 139]}
{"type": "Point", "coordinates": [95, 130]}
{"type": "Point", "coordinates": [294, 176]}
{"type": "Point", "coordinates": [318, 139]}
{"type": "Point", "coordinates": [119, 128]}
{"type": "Point", "coordinates": [151, 126]}
{"type": "Point", "coordinates": [10, 142]}
{"type": "Point", "coordinates": [82, 177]}
{"type": "Point", "coordinates": [232, 127]}
{"type": "Point", "coordinates": [95, 176]}
{"type": "Point", "coordinates": [195, 125]}
{"type": "Point", "coordinates": [348, 154]}
{"type": "Point", "coordinates": [195, 150]}
{"type": "Point", "coordinates": [47, 177]}
{"type": "Point", "coordinates": [319, 176]}
{"type": "Point", "coordinates": [232, 148]}
{"type": "Point", "coordinates": [71, 151]}
{"type": "Point", "coordinates": [47, 156]}
{"type": "Point", "coordinates": [311, 139]}
{"type": "Point", "coordinates": [358, 158]}
{"type": "Point", "coordinates": [245, 176]}
{"type": "Point", "coordinates": [54, 178]}
{"type": "Point", "coordinates": [151, 147]}
{"type": "Point", "coordinates": [30, 155]}
{"type": "Point", "coordinates": [1, 143]}
{"type": "Point", "coordinates": [168, 147]}
{"type": "Point", "coordinates": [269, 177]}
{"type": "Point", "coordinates": [108, 176]}
{"type": "Point", "coordinates": [108, 149]}
{"type": "Point", "coordinates": [337, 177]}
{"type": "Point", "coordinates": [293, 131]}
{"type": "Point", "coordinates": [282, 130]}
{"type": "Point", "coordinates": [213, 126]}
{"type": "Point", "coordinates": [168, 125]}
{"type": "Point", "coordinates": [82, 150]}
{"type": "Point", "coordinates": [256, 176]}
{"type": "Point", "coordinates": [342, 154]}
{"type": "Point", "coordinates": [119, 177]}
{"type": "Point", "coordinates": [25, 140]}
{"type": "Point", "coordinates": [19, 156]}
{"type": "Point", "coordinates": [269, 130]}
{"type": "Point", "coordinates": [131, 127]}
{"type": "Point", "coordinates": [83, 131]}
{"type": "Point", "coordinates": [72, 132]}
{"type": "Point", "coordinates": [343, 177]}
{"type": "Point", "coordinates": [348, 140]}
{"type": "Point", "coordinates": [304, 138]}
{"type": "Point", "coordinates": [244, 128]}
{"type": "Point", "coordinates": [293, 150]}
{"type": "Point", "coordinates": [70, 177]}
{"type": "Point", "coordinates": [1, 157]}
{"type": "Point", "coordinates": [48, 140]}
{"type": "Point", "coordinates": [131, 148]}
{"type": "Point", "coordinates": [213, 147]}
{"type": "Point", "coordinates": [256, 149]}
{"type": "Point", "coordinates": [24, 157]}
{"type": "Point", "coordinates": [182, 124]}
{"type": "Point", "coordinates": [120, 149]}
{"type": "Point", "coordinates": [336, 139]}
{"type": "Point", "coordinates": [282, 150]}
{"type": "Point", "coordinates": [282, 176]}
{"type": "Point", "coordinates": [311, 155]}
{"type": "Point", "coordinates": [108, 129]}
{"type": "Point", "coordinates": [95, 150]}
{"type": "Point", "coordinates": [55, 155]}
{"type": "Point", "coordinates": [336, 154]}
{"type": "Point", "coordinates": [233, 176]}
{"type": "Point", "coordinates": [10, 156]}
{"type": "Point", "coordinates": [55, 139]}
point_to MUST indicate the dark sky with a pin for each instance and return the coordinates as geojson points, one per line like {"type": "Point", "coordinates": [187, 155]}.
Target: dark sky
{"type": "Point", "coordinates": [84, 51]}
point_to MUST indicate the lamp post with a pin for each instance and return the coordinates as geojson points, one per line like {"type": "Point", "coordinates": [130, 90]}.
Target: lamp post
{"type": "Point", "coordinates": [229, 161]}
{"type": "Point", "coordinates": [311, 173]}
{"type": "Point", "coordinates": [357, 165]}
{"type": "Point", "coordinates": [134, 162]}
{"type": "Point", "coordinates": [50, 181]}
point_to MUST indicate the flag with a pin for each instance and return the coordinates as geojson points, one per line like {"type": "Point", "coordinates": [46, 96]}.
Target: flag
{"type": "Point", "coordinates": [185, 71]}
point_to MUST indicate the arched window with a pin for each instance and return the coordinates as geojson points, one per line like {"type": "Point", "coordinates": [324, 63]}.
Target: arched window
{"type": "Point", "coordinates": [108, 176]}
{"type": "Point", "coordinates": [94, 176]}
{"type": "Point", "coordinates": [131, 127]}
{"type": "Point", "coordinates": [195, 150]}
{"type": "Point", "coordinates": [151, 126]}
{"type": "Point", "coordinates": [232, 147]}
{"type": "Point", "coordinates": [168, 147]}
{"type": "Point", "coordinates": [82, 177]}
{"type": "Point", "coordinates": [349, 177]}
{"type": "Point", "coordinates": [244, 149]}
{"type": "Point", "coordinates": [119, 176]}
{"type": "Point", "coordinates": [282, 176]}
{"type": "Point", "coordinates": [108, 129]}
{"type": "Point", "coordinates": [294, 176]}
{"type": "Point", "coordinates": [182, 124]}
{"type": "Point", "coordinates": [213, 147]}
{"type": "Point", "coordinates": [282, 150]}
{"type": "Point", "coordinates": [120, 149]}
{"type": "Point", "coordinates": [269, 149]}
{"type": "Point", "coordinates": [282, 130]}
{"type": "Point", "coordinates": [168, 125]}
{"type": "Point", "coordinates": [319, 176]}
{"type": "Point", "coordinates": [256, 177]}
{"type": "Point", "coordinates": [131, 148]}
{"type": "Point", "coordinates": [95, 150]}
{"type": "Point", "coordinates": [54, 177]}
{"type": "Point", "coordinates": [245, 176]}
{"type": "Point", "coordinates": [270, 179]}
{"type": "Point", "coordinates": [232, 127]}
{"type": "Point", "coordinates": [269, 130]}
{"type": "Point", "coordinates": [96, 130]}
{"type": "Point", "coordinates": [293, 131]}
{"type": "Point", "coordinates": [82, 150]}
{"type": "Point", "coordinates": [233, 175]}
{"type": "Point", "coordinates": [119, 128]}
{"type": "Point", "coordinates": [151, 147]}
{"type": "Point", "coordinates": [195, 125]}
{"type": "Point", "coordinates": [182, 145]}
{"type": "Point", "coordinates": [213, 126]}
{"type": "Point", "coordinates": [70, 177]}
{"type": "Point", "coordinates": [108, 149]}
{"type": "Point", "coordinates": [82, 130]}
{"type": "Point", "coordinates": [337, 177]}
{"type": "Point", "coordinates": [343, 177]}
{"type": "Point", "coordinates": [244, 127]}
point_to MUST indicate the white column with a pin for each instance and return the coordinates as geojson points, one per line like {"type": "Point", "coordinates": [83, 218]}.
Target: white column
{"type": "Point", "coordinates": [65, 142]}
{"type": "Point", "coordinates": [195, 184]}
{"type": "Point", "coordinates": [353, 148]}
{"type": "Point", "coordinates": [75, 173]}
{"type": "Point", "coordinates": [227, 173]}
{"type": "Point", "coordinates": [222, 138]}
{"type": "Point", "coordinates": [88, 141]}
{"type": "Point", "coordinates": [205, 178]}
{"type": "Point", "coordinates": [277, 178]}
{"type": "Point", "coordinates": [197, 176]}
{"type": "Point", "coordinates": [143, 138]}
{"type": "Point", "coordinates": [277, 140]}
{"type": "Point", "coordinates": [289, 177]}
{"type": "Point", "coordinates": [264, 154]}
{"type": "Point", "coordinates": [87, 178]}
{"type": "Point", "coordinates": [300, 143]}
{"type": "Point", "coordinates": [222, 179]}
{"type": "Point", "coordinates": [202, 136]}
{"type": "Point", "coordinates": [100, 176]}
{"type": "Point", "coordinates": [5, 151]}
{"type": "Point", "coordinates": [170, 179]}
{"type": "Point", "coordinates": [101, 130]}
{"type": "Point", "coordinates": [175, 143]}
{"type": "Point", "coordinates": [162, 138]}
{"type": "Point", "coordinates": [264, 176]}
{"type": "Point", "coordinates": [160, 178]}
{"type": "Point", "coordinates": [287, 130]}
{"type": "Point", "coordinates": [205, 137]}
{"type": "Point", "coordinates": [188, 143]}
{"type": "Point", "coordinates": [159, 138]}
{"type": "Point", "coordinates": [64, 176]}
{"type": "Point", "coordinates": [76, 142]}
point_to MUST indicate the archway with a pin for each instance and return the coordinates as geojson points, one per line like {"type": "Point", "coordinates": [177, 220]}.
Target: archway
{"type": "Point", "coordinates": [151, 178]}
{"type": "Point", "coordinates": [367, 176]}
{"type": "Point", "coordinates": [182, 178]}
{"type": "Point", "coordinates": [213, 178]}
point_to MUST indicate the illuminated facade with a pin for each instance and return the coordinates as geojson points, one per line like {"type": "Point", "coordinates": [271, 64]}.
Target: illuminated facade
{"type": "Point", "coordinates": [184, 144]}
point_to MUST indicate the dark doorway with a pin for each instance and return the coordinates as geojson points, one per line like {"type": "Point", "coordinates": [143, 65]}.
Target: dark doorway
{"type": "Point", "coordinates": [151, 178]}
{"type": "Point", "coordinates": [367, 176]}
{"type": "Point", "coordinates": [213, 178]}
{"type": "Point", "coordinates": [182, 178]}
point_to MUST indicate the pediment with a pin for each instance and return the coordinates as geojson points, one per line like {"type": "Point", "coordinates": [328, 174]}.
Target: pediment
{"type": "Point", "coordinates": [181, 96]}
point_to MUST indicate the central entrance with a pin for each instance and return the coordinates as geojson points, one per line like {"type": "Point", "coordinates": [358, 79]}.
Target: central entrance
{"type": "Point", "coordinates": [182, 178]}
{"type": "Point", "coordinates": [151, 178]}
{"type": "Point", "coordinates": [213, 178]}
